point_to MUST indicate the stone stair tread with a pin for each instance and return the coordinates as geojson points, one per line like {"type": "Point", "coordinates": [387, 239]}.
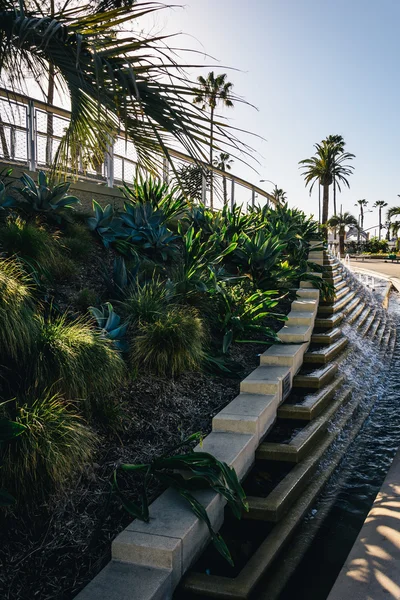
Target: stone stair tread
{"type": "Point", "coordinates": [126, 581]}
{"type": "Point", "coordinates": [295, 334]}
{"type": "Point", "coordinates": [326, 338]}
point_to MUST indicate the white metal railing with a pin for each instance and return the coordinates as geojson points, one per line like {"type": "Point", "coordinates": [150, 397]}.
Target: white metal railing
{"type": "Point", "coordinates": [31, 130]}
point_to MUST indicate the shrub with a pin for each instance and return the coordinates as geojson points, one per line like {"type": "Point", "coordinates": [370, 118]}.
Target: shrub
{"type": "Point", "coordinates": [55, 445]}
{"type": "Point", "coordinates": [145, 302]}
{"type": "Point", "coordinates": [85, 298]}
{"type": "Point", "coordinates": [74, 357]}
{"type": "Point", "coordinates": [19, 328]}
{"type": "Point", "coordinates": [31, 241]}
{"type": "Point", "coordinates": [171, 344]}
{"type": "Point", "coordinates": [78, 241]}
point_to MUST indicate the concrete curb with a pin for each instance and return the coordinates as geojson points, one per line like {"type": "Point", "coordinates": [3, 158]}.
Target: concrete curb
{"type": "Point", "coordinates": [154, 556]}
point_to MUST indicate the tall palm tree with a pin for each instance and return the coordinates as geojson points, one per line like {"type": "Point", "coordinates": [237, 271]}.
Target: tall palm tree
{"type": "Point", "coordinates": [361, 204]}
{"type": "Point", "coordinates": [279, 195]}
{"type": "Point", "coordinates": [223, 163]}
{"type": "Point", "coordinates": [213, 90]}
{"type": "Point", "coordinates": [393, 211]}
{"type": "Point", "coordinates": [323, 168]}
{"type": "Point", "coordinates": [338, 143]}
{"type": "Point", "coordinates": [380, 204]}
{"type": "Point", "coordinates": [342, 221]}
{"type": "Point", "coordinates": [115, 81]}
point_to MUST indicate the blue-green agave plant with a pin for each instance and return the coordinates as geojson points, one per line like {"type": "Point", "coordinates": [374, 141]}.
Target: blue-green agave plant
{"type": "Point", "coordinates": [107, 223]}
{"type": "Point", "coordinates": [110, 324]}
{"type": "Point", "coordinates": [45, 198]}
{"type": "Point", "coordinates": [6, 201]}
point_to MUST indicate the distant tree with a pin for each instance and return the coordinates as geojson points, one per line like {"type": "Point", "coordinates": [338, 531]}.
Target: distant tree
{"type": "Point", "coordinates": [213, 90]}
{"type": "Point", "coordinates": [341, 222]}
{"type": "Point", "coordinates": [380, 204]}
{"type": "Point", "coordinates": [223, 163]}
{"type": "Point", "coordinates": [327, 165]}
{"type": "Point", "coordinates": [362, 204]}
{"type": "Point", "coordinates": [279, 195]}
{"type": "Point", "coordinates": [338, 143]}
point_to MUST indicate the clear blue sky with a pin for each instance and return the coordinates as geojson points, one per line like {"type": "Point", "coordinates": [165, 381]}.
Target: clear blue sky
{"type": "Point", "coordinates": [312, 69]}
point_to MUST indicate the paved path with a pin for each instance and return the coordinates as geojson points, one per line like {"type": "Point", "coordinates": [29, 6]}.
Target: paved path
{"type": "Point", "coordinates": [377, 265]}
{"type": "Point", "coordinates": [372, 569]}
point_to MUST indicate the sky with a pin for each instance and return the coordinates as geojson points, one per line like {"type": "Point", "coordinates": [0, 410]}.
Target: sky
{"type": "Point", "coordinates": [312, 69]}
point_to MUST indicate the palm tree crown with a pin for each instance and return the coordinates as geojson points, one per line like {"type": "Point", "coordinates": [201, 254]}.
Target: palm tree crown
{"type": "Point", "coordinates": [341, 222]}
{"type": "Point", "coordinates": [328, 165]}
{"type": "Point", "coordinates": [115, 82]}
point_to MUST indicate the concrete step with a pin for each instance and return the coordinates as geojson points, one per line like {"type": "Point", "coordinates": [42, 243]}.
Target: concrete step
{"type": "Point", "coordinates": [328, 322]}
{"type": "Point", "coordinates": [313, 403]}
{"type": "Point", "coordinates": [341, 284]}
{"type": "Point", "coordinates": [297, 317]}
{"type": "Point", "coordinates": [265, 380]}
{"type": "Point", "coordinates": [284, 355]}
{"type": "Point", "coordinates": [338, 306]}
{"type": "Point", "coordinates": [351, 309]}
{"type": "Point", "coordinates": [374, 327]}
{"type": "Point", "coordinates": [307, 293]}
{"type": "Point", "coordinates": [368, 323]}
{"type": "Point", "coordinates": [328, 353]}
{"type": "Point", "coordinates": [295, 450]}
{"type": "Point", "coordinates": [363, 317]}
{"type": "Point", "coordinates": [295, 334]}
{"type": "Point", "coordinates": [247, 413]}
{"type": "Point", "coordinates": [125, 581]}
{"type": "Point", "coordinates": [339, 294]}
{"type": "Point", "coordinates": [305, 305]}
{"type": "Point", "coordinates": [326, 338]}
{"type": "Point", "coordinates": [317, 378]}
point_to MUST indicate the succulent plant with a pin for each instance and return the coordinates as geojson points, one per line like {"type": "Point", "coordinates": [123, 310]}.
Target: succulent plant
{"type": "Point", "coordinates": [110, 324]}
{"type": "Point", "coordinates": [6, 201]}
{"type": "Point", "coordinates": [107, 223]}
{"type": "Point", "coordinates": [45, 198]}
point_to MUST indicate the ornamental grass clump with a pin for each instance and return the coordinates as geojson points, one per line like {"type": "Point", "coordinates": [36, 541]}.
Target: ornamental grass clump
{"type": "Point", "coordinates": [54, 445]}
{"type": "Point", "coordinates": [145, 302]}
{"type": "Point", "coordinates": [77, 359]}
{"type": "Point", "coordinates": [18, 327]}
{"type": "Point", "coordinates": [171, 344]}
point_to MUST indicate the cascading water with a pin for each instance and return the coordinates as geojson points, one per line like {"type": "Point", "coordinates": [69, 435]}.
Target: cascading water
{"type": "Point", "coordinates": [328, 532]}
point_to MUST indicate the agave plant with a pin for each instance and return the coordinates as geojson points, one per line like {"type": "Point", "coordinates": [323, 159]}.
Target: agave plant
{"type": "Point", "coordinates": [147, 232]}
{"type": "Point", "coordinates": [107, 223]}
{"type": "Point", "coordinates": [169, 201]}
{"type": "Point", "coordinates": [6, 201]}
{"type": "Point", "coordinates": [258, 256]}
{"type": "Point", "coordinates": [202, 471]}
{"type": "Point", "coordinates": [46, 199]}
{"type": "Point", "coordinates": [111, 326]}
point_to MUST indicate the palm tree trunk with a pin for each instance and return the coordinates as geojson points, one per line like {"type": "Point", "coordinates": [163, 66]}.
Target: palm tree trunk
{"type": "Point", "coordinates": [211, 158]}
{"type": "Point", "coordinates": [334, 206]}
{"type": "Point", "coordinates": [325, 204]}
{"type": "Point", "coordinates": [225, 193]}
{"type": "Point", "coordinates": [380, 222]}
{"type": "Point", "coordinates": [319, 203]}
{"type": "Point", "coordinates": [50, 117]}
{"type": "Point", "coordinates": [341, 241]}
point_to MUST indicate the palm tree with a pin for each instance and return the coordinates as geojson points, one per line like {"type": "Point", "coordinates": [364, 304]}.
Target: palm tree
{"type": "Point", "coordinates": [115, 81]}
{"type": "Point", "coordinates": [362, 204]}
{"type": "Point", "coordinates": [342, 221]}
{"type": "Point", "coordinates": [393, 211]}
{"type": "Point", "coordinates": [212, 90]}
{"type": "Point", "coordinates": [338, 143]}
{"type": "Point", "coordinates": [223, 163]}
{"type": "Point", "coordinates": [325, 167]}
{"type": "Point", "coordinates": [279, 195]}
{"type": "Point", "coordinates": [380, 204]}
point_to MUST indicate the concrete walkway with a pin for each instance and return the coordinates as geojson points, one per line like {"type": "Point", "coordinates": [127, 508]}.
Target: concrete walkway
{"type": "Point", "coordinates": [378, 266]}
{"type": "Point", "coordinates": [372, 569]}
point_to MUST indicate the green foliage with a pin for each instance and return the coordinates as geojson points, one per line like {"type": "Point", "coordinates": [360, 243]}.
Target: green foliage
{"type": "Point", "coordinates": [258, 256]}
{"type": "Point", "coordinates": [242, 312]}
{"type": "Point", "coordinates": [169, 201]}
{"type": "Point", "coordinates": [86, 298]}
{"type": "Point", "coordinates": [375, 246]}
{"type": "Point", "coordinates": [145, 302]}
{"type": "Point", "coordinates": [56, 444]}
{"type": "Point", "coordinates": [202, 471]}
{"type": "Point", "coordinates": [75, 358]}
{"type": "Point", "coordinates": [110, 325]}
{"type": "Point", "coordinates": [170, 344]}
{"type": "Point", "coordinates": [50, 201]}
{"type": "Point", "coordinates": [32, 242]}
{"type": "Point", "coordinates": [9, 430]}
{"type": "Point", "coordinates": [107, 223]}
{"type": "Point", "coordinates": [77, 241]}
{"type": "Point", "coordinates": [18, 329]}
{"type": "Point", "coordinates": [6, 201]}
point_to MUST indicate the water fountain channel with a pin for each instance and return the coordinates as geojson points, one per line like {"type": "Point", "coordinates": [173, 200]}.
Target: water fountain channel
{"type": "Point", "coordinates": [320, 467]}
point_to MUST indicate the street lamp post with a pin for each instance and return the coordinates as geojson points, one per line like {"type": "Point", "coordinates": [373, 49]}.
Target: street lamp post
{"type": "Point", "coordinates": [268, 181]}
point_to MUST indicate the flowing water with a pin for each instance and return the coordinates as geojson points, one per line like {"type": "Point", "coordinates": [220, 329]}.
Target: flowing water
{"type": "Point", "coordinates": [328, 532]}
